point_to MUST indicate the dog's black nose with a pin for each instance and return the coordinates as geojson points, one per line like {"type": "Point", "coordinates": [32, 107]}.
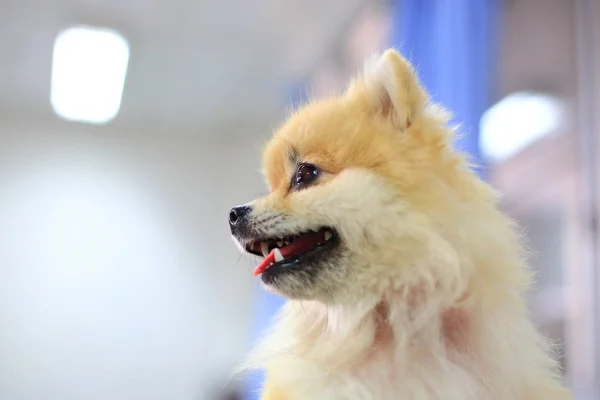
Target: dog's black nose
{"type": "Point", "coordinates": [237, 214]}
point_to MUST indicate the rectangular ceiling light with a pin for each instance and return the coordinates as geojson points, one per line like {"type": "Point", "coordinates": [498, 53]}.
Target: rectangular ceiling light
{"type": "Point", "coordinates": [88, 74]}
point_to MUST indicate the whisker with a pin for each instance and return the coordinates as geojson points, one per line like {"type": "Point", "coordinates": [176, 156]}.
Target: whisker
{"type": "Point", "coordinates": [303, 309]}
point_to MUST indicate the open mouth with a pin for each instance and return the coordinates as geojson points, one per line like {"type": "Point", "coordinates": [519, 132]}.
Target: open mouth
{"type": "Point", "coordinates": [293, 250]}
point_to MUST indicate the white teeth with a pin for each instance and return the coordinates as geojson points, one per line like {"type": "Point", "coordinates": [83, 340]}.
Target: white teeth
{"type": "Point", "coordinates": [277, 254]}
{"type": "Point", "coordinates": [280, 243]}
{"type": "Point", "coordinates": [264, 248]}
{"type": "Point", "coordinates": [328, 235]}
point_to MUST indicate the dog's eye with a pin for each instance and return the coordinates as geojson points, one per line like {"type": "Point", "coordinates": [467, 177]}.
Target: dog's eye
{"type": "Point", "coordinates": [304, 176]}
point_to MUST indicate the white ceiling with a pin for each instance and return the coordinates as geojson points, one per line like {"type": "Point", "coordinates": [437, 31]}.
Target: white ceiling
{"type": "Point", "coordinates": [192, 62]}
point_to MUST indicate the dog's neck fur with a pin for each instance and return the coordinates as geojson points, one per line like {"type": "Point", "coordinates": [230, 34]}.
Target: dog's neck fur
{"type": "Point", "coordinates": [398, 325]}
{"type": "Point", "coordinates": [402, 341]}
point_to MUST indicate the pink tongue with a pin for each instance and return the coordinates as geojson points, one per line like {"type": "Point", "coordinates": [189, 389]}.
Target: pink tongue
{"type": "Point", "coordinates": [300, 245]}
{"type": "Point", "coordinates": [266, 263]}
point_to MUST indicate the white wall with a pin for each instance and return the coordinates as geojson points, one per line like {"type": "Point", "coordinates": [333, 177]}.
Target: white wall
{"type": "Point", "coordinates": [118, 279]}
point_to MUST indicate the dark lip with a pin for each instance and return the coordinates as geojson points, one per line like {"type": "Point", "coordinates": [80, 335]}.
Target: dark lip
{"type": "Point", "coordinates": [249, 241]}
{"type": "Point", "coordinates": [301, 261]}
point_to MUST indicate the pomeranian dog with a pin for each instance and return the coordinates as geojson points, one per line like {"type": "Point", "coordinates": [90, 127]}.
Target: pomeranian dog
{"type": "Point", "coordinates": [404, 279]}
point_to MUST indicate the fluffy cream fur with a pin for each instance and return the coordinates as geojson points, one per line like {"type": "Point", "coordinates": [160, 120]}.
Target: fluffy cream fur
{"type": "Point", "coordinates": [425, 301]}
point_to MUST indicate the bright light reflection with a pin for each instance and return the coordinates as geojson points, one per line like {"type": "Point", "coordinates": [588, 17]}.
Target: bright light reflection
{"type": "Point", "coordinates": [88, 74]}
{"type": "Point", "coordinates": [517, 121]}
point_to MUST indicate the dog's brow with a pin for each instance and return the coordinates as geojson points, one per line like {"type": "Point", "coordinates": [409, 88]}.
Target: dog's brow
{"type": "Point", "coordinates": [293, 154]}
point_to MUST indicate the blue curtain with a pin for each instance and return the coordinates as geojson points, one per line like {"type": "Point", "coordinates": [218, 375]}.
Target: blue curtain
{"type": "Point", "coordinates": [451, 43]}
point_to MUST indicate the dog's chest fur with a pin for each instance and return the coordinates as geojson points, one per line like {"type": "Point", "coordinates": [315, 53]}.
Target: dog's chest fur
{"type": "Point", "coordinates": [437, 364]}
{"type": "Point", "coordinates": [385, 379]}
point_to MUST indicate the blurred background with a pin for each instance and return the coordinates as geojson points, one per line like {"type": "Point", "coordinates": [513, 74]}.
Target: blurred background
{"type": "Point", "coordinates": [129, 128]}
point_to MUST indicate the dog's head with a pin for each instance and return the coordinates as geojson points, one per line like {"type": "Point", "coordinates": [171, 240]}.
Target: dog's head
{"type": "Point", "coordinates": [354, 182]}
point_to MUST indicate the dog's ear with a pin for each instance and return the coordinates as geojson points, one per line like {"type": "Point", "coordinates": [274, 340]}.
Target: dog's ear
{"type": "Point", "coordinates": [391, 89]}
